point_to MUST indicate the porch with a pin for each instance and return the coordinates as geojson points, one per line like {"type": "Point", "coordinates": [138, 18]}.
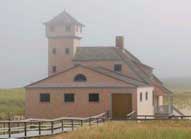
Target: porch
{"type": "Point", "coordinates": [163, 105]}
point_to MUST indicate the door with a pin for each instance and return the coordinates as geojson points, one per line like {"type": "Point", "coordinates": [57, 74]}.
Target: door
{"type": "Point", "coordinates": [121, 105]}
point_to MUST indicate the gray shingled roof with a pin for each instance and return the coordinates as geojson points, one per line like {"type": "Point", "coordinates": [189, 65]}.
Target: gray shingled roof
{"type": "Point", "coordinates": [63, 18]}
{"type": "Point", "coordinates": [113, 53]}
{"type": "Point", "coordinates": [96, 53]}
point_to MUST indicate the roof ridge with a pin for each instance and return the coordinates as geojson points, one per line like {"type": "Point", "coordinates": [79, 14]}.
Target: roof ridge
{"type": "Point", "coordinates": [62, 17]}
{"type": "Point", "coordinates": [74, 66]}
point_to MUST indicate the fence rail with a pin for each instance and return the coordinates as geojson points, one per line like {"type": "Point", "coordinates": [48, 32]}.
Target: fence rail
{"type": "Point", "coordinates": [158, 117]}
{"type": "Point", "coordinates": [39, 127]}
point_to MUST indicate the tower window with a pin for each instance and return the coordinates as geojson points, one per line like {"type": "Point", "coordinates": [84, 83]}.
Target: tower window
{"type": "Point", "coordinates": [77, 28]}
{"type": "Point", "coordinates": [68, 28]}
{"type": "Point", "coordinates": [117, 67]}
{"type": "Point", "coordinates": [51, 28]}
{"type": "Point", "coordinates": [67, 51]}
{"type": "Point", "coordinates": [54, 69]}
{"type": "Point", "coordinates": [54, 50]}
{"type": "Point", "coordinates": [80, 78]}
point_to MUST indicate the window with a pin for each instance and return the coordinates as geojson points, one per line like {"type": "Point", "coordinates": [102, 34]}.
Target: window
{"type": "Point", "coordinates": [45, 97]}
{"type": "Point", "coordinates": [77, 28]}
{"type": "Point", "coordinates": [117, 67]}
{"type": "Point", "coordinates": [141, 97]}
{"type": "Point", "coordinates": [146, 96]}
{"type": "Point", "coordinates": [54, 50]}
{"type": "Point", "coordinates": [80, 78]}
{"type": "Point", "coordinates": [51, 28]}
{"type": "Point", "coordinates": [68, 97]}
{"type": "Point", "coordinates": [67, 51]}
{"type": "Point", "coordinates": [94, 97]}
{"type": "Point", "coordinates": [80, 29]}
{"type": "Point", "coordinates": [68, 28]}
{"type": "Point", "coordinates": [54, 69]}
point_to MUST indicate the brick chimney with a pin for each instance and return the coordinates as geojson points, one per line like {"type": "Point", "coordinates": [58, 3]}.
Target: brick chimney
{"type": "Point", "coordinates": [119, 42]}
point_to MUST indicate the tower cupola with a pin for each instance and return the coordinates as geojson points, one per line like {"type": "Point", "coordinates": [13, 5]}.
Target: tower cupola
{"type": "Point", "coordinates": [64, 25]}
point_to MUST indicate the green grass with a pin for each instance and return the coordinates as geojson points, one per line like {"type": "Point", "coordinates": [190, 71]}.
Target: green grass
{"type": "Point", "coordinates": [11, 102]}
{"type": "Point", "coordinates": [132, 130]}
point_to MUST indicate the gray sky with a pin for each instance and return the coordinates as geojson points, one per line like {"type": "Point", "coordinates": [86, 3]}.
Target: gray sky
{"type": "Point", "coordinates": [157, 32]}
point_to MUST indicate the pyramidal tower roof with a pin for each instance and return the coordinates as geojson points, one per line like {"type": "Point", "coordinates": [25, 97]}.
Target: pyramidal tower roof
{"type": "Point", "coordinates": [63, 18]}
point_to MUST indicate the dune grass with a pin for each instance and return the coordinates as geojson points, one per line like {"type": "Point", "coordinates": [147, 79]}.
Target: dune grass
{"type": "Point", "coordinates": [131, 130]}
{"type": "Point", "coordinates": [182, 99]}
{"type": "Point", "coordinates": [11, 102]}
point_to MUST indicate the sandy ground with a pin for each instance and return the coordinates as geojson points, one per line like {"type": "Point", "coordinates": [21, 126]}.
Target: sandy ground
{"type": "Point", "coordinates": [186, 111]}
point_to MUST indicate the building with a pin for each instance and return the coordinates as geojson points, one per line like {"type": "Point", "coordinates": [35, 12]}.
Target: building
{"type": "Point", "coordinates": [85, 81]}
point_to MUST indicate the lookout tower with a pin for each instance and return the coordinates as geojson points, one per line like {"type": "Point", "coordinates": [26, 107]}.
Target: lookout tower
{"type": "Point", "coordinates": [64, 34]}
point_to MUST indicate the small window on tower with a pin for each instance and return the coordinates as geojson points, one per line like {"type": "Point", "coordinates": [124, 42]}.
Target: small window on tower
{"type": "Point", "coordinates": [54, 50]}
{"type": "Point", "coordinates": [54, 69]}
{"type": "Point", "coordinates": [68, 28]}
{"type": "Point", "coordinates": [67, 51]}
{"type": "Point", "coordinates": [51, 28]}
{"type": "Point", "coordinates": [77, 28]}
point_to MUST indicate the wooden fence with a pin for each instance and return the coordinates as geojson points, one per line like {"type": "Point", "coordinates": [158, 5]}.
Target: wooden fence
{"type": "Point", "coordinates": [38, 127]}
{"type": "Point", "coordinates": [155, 117]}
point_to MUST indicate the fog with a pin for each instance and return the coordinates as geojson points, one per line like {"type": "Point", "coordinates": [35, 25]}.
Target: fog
{"type": "Point", "coordinates": [157, 32]}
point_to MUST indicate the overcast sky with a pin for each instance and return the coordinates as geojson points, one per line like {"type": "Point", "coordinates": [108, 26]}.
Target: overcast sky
{"type": "Point", "coordinates": [157, 32]}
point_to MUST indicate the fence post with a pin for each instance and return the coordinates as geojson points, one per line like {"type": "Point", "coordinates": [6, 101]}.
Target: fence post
{"type": "Point", "coordinates": [90, 121]}
{"type": "Point", "coordinates": [81, 123]}
{"type": "Point", "coordinates": [72, 121]}
{"type": "Point", "coordinates": [107, 115]}
{"type": "Point", "coordinates": [39, 128]}
{"type": "Point", "coordinates": [4, 125]}
{"type": "Point", "coordinates": [62, 125]}
{"type": "Point", "coordinates": [9, 129]}
{"type": "Point", "coordinates": [52, 127]}
{"type": "Point", "coordinates": [25, 124]}
{"type": "Point", "coordinates": [97, 119]}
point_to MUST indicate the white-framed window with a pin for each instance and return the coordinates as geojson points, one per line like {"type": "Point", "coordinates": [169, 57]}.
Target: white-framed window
{"type": "Point", "coordinates": [141, 96]}
{"type": "Point", "coordinates": [146, 96]}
